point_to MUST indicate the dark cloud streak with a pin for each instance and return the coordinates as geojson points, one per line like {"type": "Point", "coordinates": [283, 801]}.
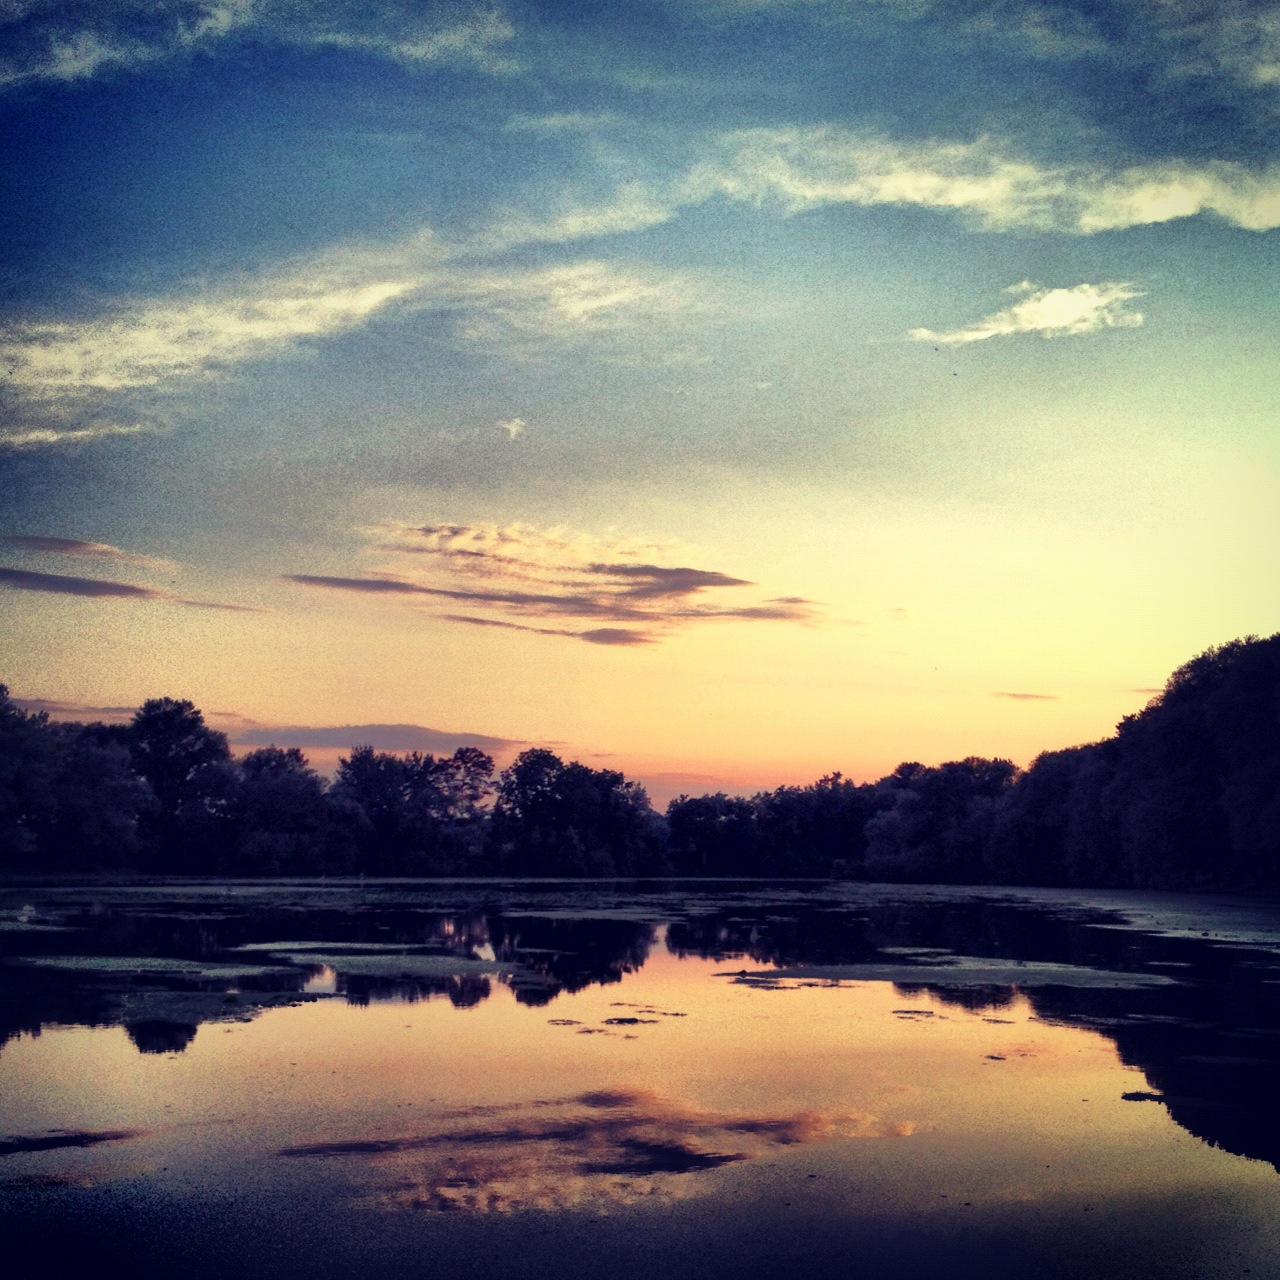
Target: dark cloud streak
{"type": "Point", "coordinates": [104, 588]}
{"type": "Point", "coordinates": [63, 584]}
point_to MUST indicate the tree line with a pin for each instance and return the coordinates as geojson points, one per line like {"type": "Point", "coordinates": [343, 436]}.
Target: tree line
{"type": "Point", "coordinates": [1185, 794]}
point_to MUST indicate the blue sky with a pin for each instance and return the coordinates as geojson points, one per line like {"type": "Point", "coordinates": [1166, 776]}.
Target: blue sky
{"type": "Point", "coordinates": [428, 342]}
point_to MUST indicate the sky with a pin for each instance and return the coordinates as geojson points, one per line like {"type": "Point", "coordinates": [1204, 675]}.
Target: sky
{"type": "Point", "coordinates": [725, 391]}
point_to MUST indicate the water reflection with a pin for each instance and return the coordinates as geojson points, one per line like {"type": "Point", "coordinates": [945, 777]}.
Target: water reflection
{"type": "Point", "coordinates": [1200, 1018]}
{"type": "Point", "coordinates": [604, 1147]}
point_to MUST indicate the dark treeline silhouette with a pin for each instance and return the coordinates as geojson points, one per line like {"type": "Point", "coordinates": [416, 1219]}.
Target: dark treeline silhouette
{"type": "Point", "coordinates": [1185, 794]}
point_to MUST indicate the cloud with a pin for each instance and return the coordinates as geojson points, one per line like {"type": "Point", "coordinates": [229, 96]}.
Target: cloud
{"type": "Point", "coordinates": [230, 722]}
{"type": "Point", "coordinates": [629, 315]}
{"type": "Point", "coordinates": [597, 635]}
{"type": "Point", "coordinates": [382, 737]}
{"type": "Point", "coordinates": [1232, 47]}
{"type": "Point", "coordinates": [95, 376]}
{"type": "Point", "coordinates": [1052, 313]}
{"type": "Point", "coordinates": [1028, 697]}
{"type": "Point", "coordinates": [476, 40]}
{"type": "Point", "coordinates": [78, 547]}
{"type": "Point", "coordinates": [74, 373]}
{"type": "Point", "coordinates": [982, 180]}
{"type": "Point", "coordinates": [603, 1149]}
{"type": "Point", "coordinates": [513, 427]}
{"type": "Point", "coordinates": [34, 437]}
{"type": "Point", "coordinates": [27, 580]}
{"type": "Point", "coordinates": [520, 578]}
{"type": "Point", "coordinates": [377, 586]}
{"type": "Point", "coordinates": [150, 343]}
{"type": "Point", "coordinates": [58, 710]}
{"type": "Point", "coordinates": [615, 636]}
{"type": "Point", "coordinates": [53, 42]}
{"type": "Point", "coordinates": [102, 588]}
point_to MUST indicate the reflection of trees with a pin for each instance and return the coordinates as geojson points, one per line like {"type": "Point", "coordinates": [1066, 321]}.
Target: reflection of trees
{"type": "Point", "coordinates": [1209, 1043]}
{"type": "Point", "coordinates": [156, 1035]}
{"type": "Point", "coordinates": [567, 955]}
{"type": "Point", "coordinates": [1212, 1052]}
{"type": "Point", "coordinates": [464, 991]}
{"type": "Point", "coordinates": [541, 957]}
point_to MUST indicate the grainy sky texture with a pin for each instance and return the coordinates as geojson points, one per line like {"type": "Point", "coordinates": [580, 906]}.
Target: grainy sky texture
{"type": "Point", "coordinates": [728, 391]}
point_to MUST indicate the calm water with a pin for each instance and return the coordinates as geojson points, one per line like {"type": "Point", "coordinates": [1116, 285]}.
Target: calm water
{"type": "Point", "coordinates": [678, 1080]}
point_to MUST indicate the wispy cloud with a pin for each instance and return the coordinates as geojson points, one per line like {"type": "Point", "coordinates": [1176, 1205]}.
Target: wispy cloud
{"type": "Point", "coordinates": [983, 180]}
{"type": "Point", "coordinates": [1230, 44]}
{"type": "Point", "coordinates": [154, 342]}
{"type": "Point", "coordinates": [1027, 697]}
{"type": "Point", "coordinates": [1052, 313]}
{"type": "Point", "coordinates": [480, 39]}
{"type": "Point", "coordinates": [383, 737]}
{"type": "Point", "coordinates": [102, 588]}
{"type": "Point", "coordinates": [231, 723]}
{"type": "Point", "coordinates": [44, 436]}
{"type": "Point", "coordinates": [623, 314]}
{"type": "Point", "coordinates": [78, 547]}
{"type": "Point", "coordinates": [622, 636]}
{"type": "Point", "coordinates": [64, 584]}
{"type": "Point", "coordinates": [78, 379]}
{"type": "Point", "coordinates": [54, 42]}
{"type": "Point", "coordinates": [75, 373]}
{"type": "Point", "coordinates": [59, 710]}
{"type": "Point", "coordinates": [520, 578]}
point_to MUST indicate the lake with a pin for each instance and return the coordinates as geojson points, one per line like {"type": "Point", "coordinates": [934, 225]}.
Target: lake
{"type": "Point", "coordinates": [676, 1079]}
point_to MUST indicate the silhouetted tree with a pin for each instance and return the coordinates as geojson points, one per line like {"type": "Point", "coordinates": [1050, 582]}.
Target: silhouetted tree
{"type": "Point", "coordinates": [25, 771]}
{"type": "Point", "coordinates": [280, 816]}
{"type": "Point", "coordinates": [1186, 794]}
{"type": "Point", "coordinates": [188, 768]}
{"type": "Point", "coordinates": [69, 800]}
{"type": "Point", "coordinates": [421, 815]}
{"type": "Point", "coordinates": [713, 835]}
{"type": "Point", "coordinates": [818, 830]}
{"type": "Point", "coordinates": [939, 822]}
{"type": "Point", "coordinates": [552, 818]}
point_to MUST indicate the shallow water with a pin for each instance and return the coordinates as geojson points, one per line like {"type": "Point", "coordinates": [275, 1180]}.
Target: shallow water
{"type": "Point", "coordinates": [685, 1080]}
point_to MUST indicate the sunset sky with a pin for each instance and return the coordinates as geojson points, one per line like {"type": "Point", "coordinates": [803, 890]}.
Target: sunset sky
{"type": "Point", "coordinates": [725, 391]}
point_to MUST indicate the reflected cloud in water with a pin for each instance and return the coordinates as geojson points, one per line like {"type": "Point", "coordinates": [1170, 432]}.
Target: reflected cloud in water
{"type": "Point", "coordinates": [603, 1148]}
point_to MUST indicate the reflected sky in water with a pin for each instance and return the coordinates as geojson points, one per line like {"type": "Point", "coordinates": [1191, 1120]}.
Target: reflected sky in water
{"type": "Point", "coordinates": [529, 1084]}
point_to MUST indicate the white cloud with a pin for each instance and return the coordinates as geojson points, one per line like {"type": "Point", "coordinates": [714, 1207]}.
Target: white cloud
{"type": "Point", "coordinates": [54, 45]}
{"type": "Point", "coordinates": [476, 39]}
{"type": "Point", "coordinates": [151, 343]}
{"type": "Point", "coordinates": [49, 42]}
{"type": "Point", "coordinates": [982, 180]}
{"type": "Point", "coordinates": [1052, 313]}
{"type": "Point", "coordinates": [513, 427]}
{"type": "Point", "coordinates": [69, 377]}
{"type": "Point", "coordinates": [630, 314]}
{"type": "Point", "coordinates": [35, 437]}
{"type": "Point", "coordinates": [635, 207]}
